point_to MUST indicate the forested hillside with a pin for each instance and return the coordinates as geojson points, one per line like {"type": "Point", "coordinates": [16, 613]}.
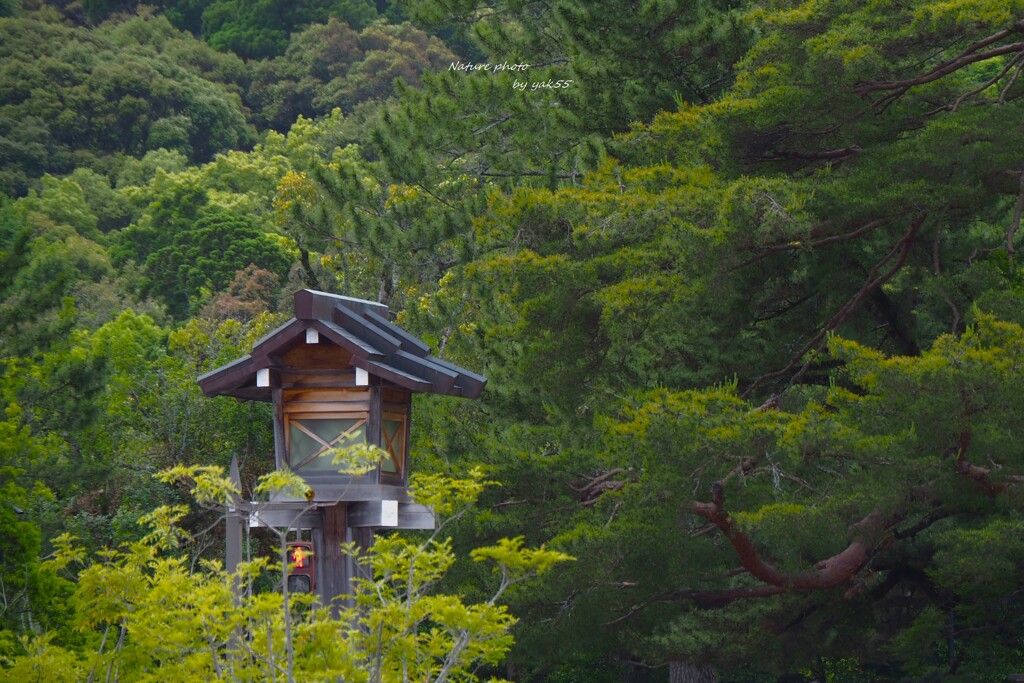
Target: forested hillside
{"type": "Point", "coordinates": [744, 279]}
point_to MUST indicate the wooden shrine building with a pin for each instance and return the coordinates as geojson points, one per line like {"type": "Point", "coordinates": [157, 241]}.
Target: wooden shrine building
{"type": "Point", "coordinates": [338, 373]}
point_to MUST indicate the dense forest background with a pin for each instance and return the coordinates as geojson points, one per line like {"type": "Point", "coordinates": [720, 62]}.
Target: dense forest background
{"type": "Point", "coordinates": [744, 278]}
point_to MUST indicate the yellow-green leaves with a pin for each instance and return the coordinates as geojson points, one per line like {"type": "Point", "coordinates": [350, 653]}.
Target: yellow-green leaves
{"type": "Point", "coordinates": [448, 495]}
{"type": "Point", "coordinates": [515, 561]}
{"type": "Point", "coordinates": [148, 614]}
{"type": "Point", "coordinates": [210, 486]}
{"type": "Point", "coordinates": [281, 482]}
{"type": "Point", "coordinates": [357, 458]}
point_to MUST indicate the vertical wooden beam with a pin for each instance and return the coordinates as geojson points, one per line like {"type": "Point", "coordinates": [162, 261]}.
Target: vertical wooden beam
{"type": "Point", "coordinates": [280, 455]}
{"type": "Point", "coordinates": [316, 535]}
{"type": "Point", "coordinates": [407, 444]}
{"type": "Point", "coordinates": [376, 412]}
{"type": "Point", "coordinates": [373, 423]}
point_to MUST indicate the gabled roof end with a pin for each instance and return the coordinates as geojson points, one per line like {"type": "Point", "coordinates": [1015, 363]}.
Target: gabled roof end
{"type": "Point", "coordinates": [313, 305]}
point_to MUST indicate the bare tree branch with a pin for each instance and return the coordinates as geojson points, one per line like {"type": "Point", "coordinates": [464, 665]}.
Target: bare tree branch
{"type": "Point", "coordinates": [824, 241]}
{"type": "Point", "coordinates": [900, 251]}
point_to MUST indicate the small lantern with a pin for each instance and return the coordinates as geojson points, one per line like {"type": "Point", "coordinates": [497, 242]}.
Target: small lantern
{"type": "Point", "coordinates": [340, 373]}
{"type": "Point", "coordinates": [301, 567]}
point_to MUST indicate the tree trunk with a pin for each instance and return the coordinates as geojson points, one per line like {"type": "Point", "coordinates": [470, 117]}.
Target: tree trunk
{"type": "Point", "coordinates": [684, 672]}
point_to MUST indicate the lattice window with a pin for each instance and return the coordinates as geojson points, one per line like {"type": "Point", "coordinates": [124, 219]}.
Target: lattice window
{"type": "Point", "coordinates": [313, 439]}
{"type": "Point", "coordinates": [393, 441]}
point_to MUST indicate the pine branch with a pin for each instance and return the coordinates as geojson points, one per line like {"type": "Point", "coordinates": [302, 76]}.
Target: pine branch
{"type": "Point", "coordinates": [982, 476]}
{"type": "Point", "coordinates": [972, 54]}
{"type": "Point", "coordinates": [823, 155]}
{"type": "Point", "coordinates": [806, 246]}
{"type": "Point", "coordinates": [828, 573]}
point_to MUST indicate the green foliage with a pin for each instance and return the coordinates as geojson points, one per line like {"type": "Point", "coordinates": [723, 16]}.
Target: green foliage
{"type": "Point", "coordinates": [189, 247]}
{"type": "Point", "coordinates": [206, 256]}
{"type": "Point", "coordinates": [773, 247]}
{"type": "Point", "coordinates": [76, 97]}
{"type": "Point", "coordinates": [29, 596]}
{"type": "Point", "coordinates": [337, 65]}
{"type": "Point", "coordinates": [262, 29]}
{"type": "Point", "coordinates": [148, 615]}
{"type": "Point", "coordinates": [724, 243]}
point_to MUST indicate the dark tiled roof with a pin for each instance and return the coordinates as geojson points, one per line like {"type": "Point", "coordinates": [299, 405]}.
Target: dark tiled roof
{"type": "Point", "coordinates": [360, 327]}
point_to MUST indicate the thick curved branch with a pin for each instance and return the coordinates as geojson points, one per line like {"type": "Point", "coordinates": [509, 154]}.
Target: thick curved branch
{"type": "Point", "coordinates": [593, 488]}
{"type": "Point", "coordinates": [828, 573]}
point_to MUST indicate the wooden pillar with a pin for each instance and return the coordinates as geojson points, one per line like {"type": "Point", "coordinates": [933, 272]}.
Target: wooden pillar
{"type": "Point", "coordinates": [280, 456]}
{"type": "Point", "coordinates": [373, 423]}
{"type": "Point", "coordinates": [363, 538]}
{"type": "Point", "coordinates": [335, 568]}
{"type": "Point", "coordinates": [316, 534]}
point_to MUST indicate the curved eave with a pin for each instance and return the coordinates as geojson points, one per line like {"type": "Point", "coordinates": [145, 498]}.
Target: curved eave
{"type": "Point", "coordinates": [237, 378]}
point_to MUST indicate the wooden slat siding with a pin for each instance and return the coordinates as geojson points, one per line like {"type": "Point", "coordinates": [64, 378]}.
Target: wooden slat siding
{"type": "Point", "coordinates": [353, 408]}
{"type": "Point", "coordinates": [329, 394]}
{"type": "Point", "coordinates": [323, 356]}
{"type": "Point", "coordinates": [312, 372]}
{"type": "Point", "coordinates": [324, 380]}
{"type": "Point", "coordinates": [358, 402]}
{"type": "Point", "coordinates": [312, 383]}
